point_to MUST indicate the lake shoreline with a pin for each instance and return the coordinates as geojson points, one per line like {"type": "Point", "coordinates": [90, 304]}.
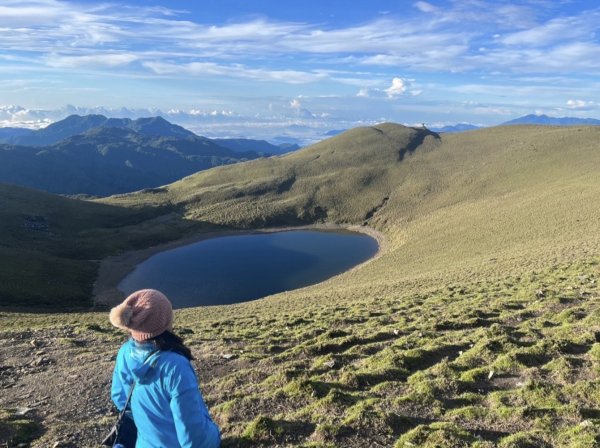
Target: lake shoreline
{"type": "Point", "coordinates": [115, 268]}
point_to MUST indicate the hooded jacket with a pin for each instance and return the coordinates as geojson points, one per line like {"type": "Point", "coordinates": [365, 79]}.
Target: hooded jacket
{"type": "Point", "coordinates": [166, 403]}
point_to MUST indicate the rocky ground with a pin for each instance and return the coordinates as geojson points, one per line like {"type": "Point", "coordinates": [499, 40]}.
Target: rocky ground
{"type": "Point", "coordinates": [56, 382]}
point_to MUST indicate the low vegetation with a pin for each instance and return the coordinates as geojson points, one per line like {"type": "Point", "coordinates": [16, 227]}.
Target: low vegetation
{"type": "Point", "coordinates": [477, 325]}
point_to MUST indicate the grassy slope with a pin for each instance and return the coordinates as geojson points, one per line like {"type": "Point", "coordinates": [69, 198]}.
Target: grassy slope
{"type": "Point", "coordinates": [477, 326]}
{"type": "Point", "coordinates": [53, 262]}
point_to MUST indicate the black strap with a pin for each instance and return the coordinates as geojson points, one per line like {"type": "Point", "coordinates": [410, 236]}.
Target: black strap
{"type": "Point", "coordinates": [127, 401]}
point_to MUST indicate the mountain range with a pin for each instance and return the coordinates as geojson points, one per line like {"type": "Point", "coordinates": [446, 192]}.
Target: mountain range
{"type": "Point", "coordinates": [553, 121]}
{"type": "Point", "coordinates": [75, 124]}
{"type": "Point", "coordinates": [535, 119]}
{"type": "Point", "coordinates": [460, 127]}
{"type": "Point", "coordinates": [100, 156]}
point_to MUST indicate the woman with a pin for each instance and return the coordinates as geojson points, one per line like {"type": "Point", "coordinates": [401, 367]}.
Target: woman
{"type": "Point", "coordinates": [166, 403]}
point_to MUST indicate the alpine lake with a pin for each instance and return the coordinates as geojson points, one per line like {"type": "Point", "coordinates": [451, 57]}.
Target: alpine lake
{"type": "Point", "coordinates": [232, 269]}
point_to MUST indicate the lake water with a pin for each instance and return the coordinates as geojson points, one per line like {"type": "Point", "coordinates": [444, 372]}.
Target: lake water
{"type": "Point", "coordinates": [234, 269]}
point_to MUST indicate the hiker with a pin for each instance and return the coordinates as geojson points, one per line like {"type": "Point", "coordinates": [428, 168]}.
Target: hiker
{"type": "Point", "coordinates": [166, 403]}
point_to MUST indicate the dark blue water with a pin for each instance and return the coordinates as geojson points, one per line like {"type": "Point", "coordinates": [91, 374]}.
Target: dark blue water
{"type": "Point", "coordinates": [234, 269]}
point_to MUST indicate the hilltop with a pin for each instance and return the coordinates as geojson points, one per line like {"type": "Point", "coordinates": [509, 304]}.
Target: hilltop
{"type": "Point", "coordinates": [477, 325]}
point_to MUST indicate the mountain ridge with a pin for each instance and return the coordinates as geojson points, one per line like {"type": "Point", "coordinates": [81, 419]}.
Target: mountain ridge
{"type": "Point", "coordinates": [552, 121]}
{"type": "Point", "coordinates": [77, 124]}
{"type": "Point", "coordinates": [110, 160]}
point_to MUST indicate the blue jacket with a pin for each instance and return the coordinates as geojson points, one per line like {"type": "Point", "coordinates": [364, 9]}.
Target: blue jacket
{"type": "Point", "coordinates": [167, 406]}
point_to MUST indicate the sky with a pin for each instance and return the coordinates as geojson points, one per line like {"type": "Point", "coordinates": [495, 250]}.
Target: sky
{"type": "Point", "coordinates": [278, 67]}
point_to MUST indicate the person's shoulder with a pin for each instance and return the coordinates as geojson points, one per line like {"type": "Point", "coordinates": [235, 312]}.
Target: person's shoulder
{"type": "Point", "coordinates": [126, 346]}
{"type": "Point", "coordinates": [176, 367]}
{"type": "Point", "coordinates": [174, 361]}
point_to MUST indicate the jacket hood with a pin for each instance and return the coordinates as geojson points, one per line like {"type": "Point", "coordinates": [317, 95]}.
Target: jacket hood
{"type": "Point", "coordinates": [142, 359]}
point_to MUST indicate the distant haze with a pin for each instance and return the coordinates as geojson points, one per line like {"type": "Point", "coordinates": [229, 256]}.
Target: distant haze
{"type": "Point", "coordinates": [221, 125]}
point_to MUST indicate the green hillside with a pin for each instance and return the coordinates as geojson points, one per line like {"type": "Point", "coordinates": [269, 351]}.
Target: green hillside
{"type": "Point", "coordinates": [477, 325]}
{"type": "Point", "coordinates": [51, 246]}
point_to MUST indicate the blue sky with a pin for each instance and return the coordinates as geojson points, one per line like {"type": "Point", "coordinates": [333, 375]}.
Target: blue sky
{"type": "Point", "coordinates": [246, 65]}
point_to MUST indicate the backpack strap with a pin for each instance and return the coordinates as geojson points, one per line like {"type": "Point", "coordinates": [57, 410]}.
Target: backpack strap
{"type": "Point", "coordinates": [122, 413]}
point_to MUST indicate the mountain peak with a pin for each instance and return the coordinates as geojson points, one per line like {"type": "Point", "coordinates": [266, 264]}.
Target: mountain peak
{"type": "Point", "coordinates": [158, 126]}
{"type": "Point", "coordinates": [80, 124]}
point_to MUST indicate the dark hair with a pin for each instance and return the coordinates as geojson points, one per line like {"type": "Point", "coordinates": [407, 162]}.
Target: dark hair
{"type": "Point", "coordinates": [168, 341]}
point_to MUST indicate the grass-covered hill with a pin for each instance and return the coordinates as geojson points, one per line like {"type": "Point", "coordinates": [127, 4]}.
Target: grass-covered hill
{"type": "Point", "coordinates": [441, 201]}
{"type": "Point", "coordinates": [50, 246]}
{"type": "Point", "coordinates": [477, 325]}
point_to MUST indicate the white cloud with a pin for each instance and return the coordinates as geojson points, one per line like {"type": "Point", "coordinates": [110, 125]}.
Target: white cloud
{"type": "Point", "coordinates": [569, 58]}
{"type": "Point", "coordinates": [425, 7]}
{"type": "Point", "coordinates": [555, 31]}
{"type": "Point", "coordinates": [233, 70]}
{"type": "Point", "coordinates": [112, 35]}
{"type": "Point", "coordinates": [490, 110]}
{"type": "Point", "coordinates": [192, 68]}
{"type": "Point", "coordinates": [581, 105]}
{"type": "Point", "coordinates": [92, 60]}
{"type": "Point", "coordinates": [397, 88]}
{"type": "Point", "coordinates": [299, 110]}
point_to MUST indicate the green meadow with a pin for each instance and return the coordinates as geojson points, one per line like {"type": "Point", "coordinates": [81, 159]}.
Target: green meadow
{"type": "Point", "coordinates": [477, 325]}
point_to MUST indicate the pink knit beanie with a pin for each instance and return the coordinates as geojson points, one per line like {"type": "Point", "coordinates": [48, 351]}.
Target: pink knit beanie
{"type": "Point", "coordinates": [145, 314]}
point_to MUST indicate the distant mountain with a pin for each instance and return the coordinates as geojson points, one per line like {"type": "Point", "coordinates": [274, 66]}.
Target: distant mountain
{"type": "Point", "coordinates": [334, 132]}
{"type": "Point", "coordinates": [59, 130]}
{"type": "Point", "coordinates": [460, 127]}
{"type": "Point", "coordinates": [108, 160]}
{"type": "Point", "coordinates": [289, 147]}
{"type": "Point", "coordinates": [553, 121]}
{"type": "Point", "coordinates": [260, 146]}
{"type": "Point", "coordinates": [287, 140]}
{"type": "Point", "coordinates": [76, 124]}
{"type": "Point", "coordinates": [6, 134]}
{"type": "Point", "coordinates": [152, 126]}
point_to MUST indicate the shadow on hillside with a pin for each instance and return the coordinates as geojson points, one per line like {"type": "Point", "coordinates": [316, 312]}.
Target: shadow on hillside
{"type": "Point", "coordinates": [422, 134]}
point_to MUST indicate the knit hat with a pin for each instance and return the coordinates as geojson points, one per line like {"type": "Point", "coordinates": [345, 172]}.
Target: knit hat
{"type": "Point", "coordinates": [145, 314]}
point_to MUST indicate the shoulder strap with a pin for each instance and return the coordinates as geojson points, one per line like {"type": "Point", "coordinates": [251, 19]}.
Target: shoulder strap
{"type": "Point", "coordinates": [127, 401]}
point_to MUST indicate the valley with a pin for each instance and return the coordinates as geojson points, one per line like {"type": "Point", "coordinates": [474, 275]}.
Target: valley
{"type": "Point", "coordinates": [477, 325]}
